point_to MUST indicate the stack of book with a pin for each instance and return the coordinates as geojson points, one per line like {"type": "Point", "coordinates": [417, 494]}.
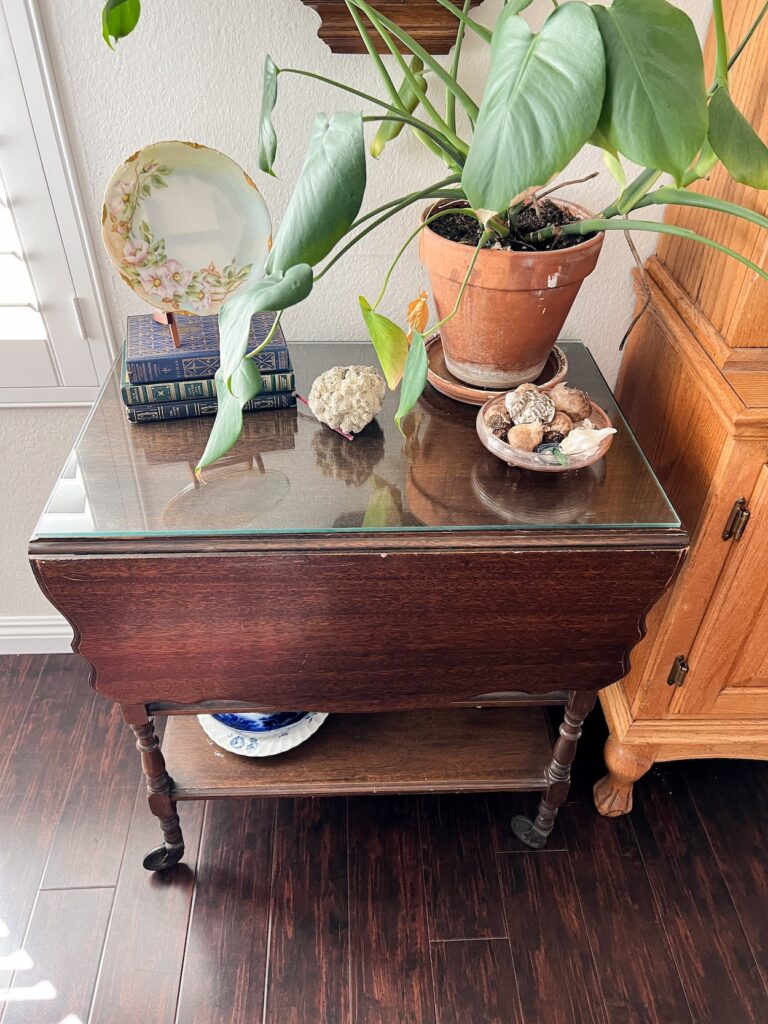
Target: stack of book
{"type": "Point", "coordinates": [162, 382]}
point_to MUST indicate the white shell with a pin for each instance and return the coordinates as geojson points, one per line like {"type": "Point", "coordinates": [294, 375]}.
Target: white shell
{"type": "Point", "coordinates": [581, 440]}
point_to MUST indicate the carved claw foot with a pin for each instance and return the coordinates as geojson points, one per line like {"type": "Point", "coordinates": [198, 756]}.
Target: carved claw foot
{"type": "Point", "coordinates": [527, 833]}
{"type": "Point", "coordinates": [163, 857]}
{"type": "Point", "coordinates": [626, 764]}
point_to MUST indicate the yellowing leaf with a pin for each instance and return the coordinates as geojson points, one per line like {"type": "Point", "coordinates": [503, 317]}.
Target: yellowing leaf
{"type": "Point", "coordinates": [416, 315]}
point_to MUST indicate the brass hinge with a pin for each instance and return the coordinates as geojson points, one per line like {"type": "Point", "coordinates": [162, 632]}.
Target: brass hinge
{"type": "Point", "coordinates": [737, 520]}
{"type": "Point", "coordinates": [679, 671]}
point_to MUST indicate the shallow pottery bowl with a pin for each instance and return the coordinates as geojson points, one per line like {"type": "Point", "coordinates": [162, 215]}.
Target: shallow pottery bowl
{"type": "Point", "coordinates": [184, 226]}
{"type": "Point", "coordinates": [532, 460]}
{"type": "Point", "coordinates": [261, 735]}
{"type": "Point", "coordinates": [441, 378]}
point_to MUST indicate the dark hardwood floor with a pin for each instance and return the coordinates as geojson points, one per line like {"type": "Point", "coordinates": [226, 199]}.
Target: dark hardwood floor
{"type": "Point", "coordinates": [375, 910]}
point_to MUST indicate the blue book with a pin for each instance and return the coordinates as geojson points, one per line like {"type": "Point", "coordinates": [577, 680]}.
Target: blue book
{"type": "Point", "coordinates": [156, 411]}
{"type": "Point", "coordinates": [151, 357]}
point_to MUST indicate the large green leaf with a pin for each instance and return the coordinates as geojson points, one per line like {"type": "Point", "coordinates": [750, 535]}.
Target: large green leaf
{"type": "Point", "coordinates": [327, 196]}
{"type": "Point", "coordinates": [246, 383]}
{"type": "Point", "coordinates": [735, 141]}
{"type": "Point", "coordinates": [541, 104]}
{"type": "Point", "coordinates": [277, 291]}
{"type": "Point", "coordinates": [655, 109]}
{"type": "Point", "coordinates": [390, 343]}
{"type": "Point", "coordinates": [267, 134]}
{"type": "Point", "coordinates": [118, 19]}
{"type": "Point", "coordinates": [410, 98]}
{"type": "Point", "coordinates": [414, 378]}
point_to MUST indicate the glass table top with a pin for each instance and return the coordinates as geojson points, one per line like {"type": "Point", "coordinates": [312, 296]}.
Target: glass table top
{"type": "Point", "coordinates": [289, 474]}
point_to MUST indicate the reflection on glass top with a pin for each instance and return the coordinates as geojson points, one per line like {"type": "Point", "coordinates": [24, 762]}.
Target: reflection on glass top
{"type": "Point", "coordinates": [290, 474]}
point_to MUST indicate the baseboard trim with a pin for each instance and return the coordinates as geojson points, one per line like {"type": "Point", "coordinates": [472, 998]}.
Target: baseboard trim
{"type": "Point", "coordinates": [35, 634]}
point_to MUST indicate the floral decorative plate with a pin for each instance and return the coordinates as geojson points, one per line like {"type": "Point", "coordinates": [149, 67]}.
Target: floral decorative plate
{"type": "Point", "coordinates": [184, 226]}
{"type": "Point", "coordinates": [261, 735]}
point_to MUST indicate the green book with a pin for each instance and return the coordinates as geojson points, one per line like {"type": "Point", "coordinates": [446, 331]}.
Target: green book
{"type": "Point", "coordinates": [193, 390]}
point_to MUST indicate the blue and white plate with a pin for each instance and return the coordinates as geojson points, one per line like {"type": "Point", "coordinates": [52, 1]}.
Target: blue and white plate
{"type": "Point", "coordinates": [258, 735]}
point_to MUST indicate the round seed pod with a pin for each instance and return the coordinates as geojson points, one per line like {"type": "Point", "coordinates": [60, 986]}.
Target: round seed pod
{"type": "Point", "coordinates": [560, 427]}
{"type": "Point", "coordinates": [572, 401]}
{"type": "Point", "coordinates": [525, 436]}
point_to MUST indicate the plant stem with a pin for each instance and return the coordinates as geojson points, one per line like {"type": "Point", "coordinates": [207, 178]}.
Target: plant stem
{"type": "Point", "coordinates": [483, 239]}
{"type": "Point", "coordinates": [680, 197]}
{"type": "Point", "coordinates": [457, 158]}
{"type": "Point", "coordinates": [750, 32]}
{"type": "Point", "coordinates": [378, 63]}
{"type": "Point", "coordinates": [450, 99]}
{"type": "Point", "coordinates": [414, 122]}
{"type": "Point", "coordinates": [269, 337]}
{"type": "Point", "coordinates": [586, 227]}
{"type": "Point", "coordinates": [721, 39]}
{"type": "Point", "coordinates": [633, 192]}
{"type": "Point", "coordinates": [404, 246]}
{"type": "Point", "coordinates": [441, 125]}
{"type": "Point", "coordinates": [463, 16]}
{"type": "Point", "coordinates": [412, 197]}
{"type": "Point", "coordinates": [416, 48]}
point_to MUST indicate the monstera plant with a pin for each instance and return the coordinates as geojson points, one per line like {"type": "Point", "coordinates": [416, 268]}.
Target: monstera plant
{"type": "Point", "coordinates": [627, 78]}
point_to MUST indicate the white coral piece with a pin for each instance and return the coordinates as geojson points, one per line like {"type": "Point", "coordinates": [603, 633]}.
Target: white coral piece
{"type": "Point", "coordinates": [347, 397]}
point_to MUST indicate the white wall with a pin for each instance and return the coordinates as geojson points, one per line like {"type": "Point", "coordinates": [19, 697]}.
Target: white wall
{"type": "Point", "coordinates": [193, 71]}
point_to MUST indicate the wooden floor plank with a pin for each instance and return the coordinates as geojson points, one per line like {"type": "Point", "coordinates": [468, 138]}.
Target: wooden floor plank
{"type": "Point", "coordinates": [461, 878]}
{"type": "Point", "coordinates": [88, 846]}
{"type": "Point", "coordinates": [34, 786]}
{"type": "Point", "coordinates": [639, 981]}
{"type": "Point", "coordinates": [556, 973]}
{"type": "Point", "coordinates": [64, 944]}
{"type": "Point", "coordinates": [719, 974]}
{"type": "Point", "coordinates": [391, 978]}
{"type": "Point", "coordinates": [19, 675]}
{"type": "Point", "coordinates": [144, 951]}
{"type": "Point", "coordinates": [732, 800]}
{"type": "Point", "coordinates": [226, 955]}
{"type": "Point", "coordinates": [309, 937]}
{"type": "Point", "coordinates": [475, 982]}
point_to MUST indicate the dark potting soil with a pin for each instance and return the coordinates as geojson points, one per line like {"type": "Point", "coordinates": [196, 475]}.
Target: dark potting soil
{"type": "Point", "coordinates": [459, 227]}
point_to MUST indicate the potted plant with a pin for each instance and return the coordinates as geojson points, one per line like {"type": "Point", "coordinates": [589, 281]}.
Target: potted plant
{"type": "Point", "coordinates": [505, 260]}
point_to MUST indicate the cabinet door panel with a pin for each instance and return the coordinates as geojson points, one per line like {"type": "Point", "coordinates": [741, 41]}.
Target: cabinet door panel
{"type": "Point", "coordinates": [729, 660]}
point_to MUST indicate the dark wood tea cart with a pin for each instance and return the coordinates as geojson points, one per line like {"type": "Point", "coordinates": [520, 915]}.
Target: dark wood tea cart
{"type": "Point", "coordinates": [428, 596]}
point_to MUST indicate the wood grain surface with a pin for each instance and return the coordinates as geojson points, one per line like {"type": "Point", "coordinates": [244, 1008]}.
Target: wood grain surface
{"type": "Point", "coordinates": [384, 753]}
{"type": "Point", "coordinates": [320, 629]}
{"type": "Point", "coordinates": [328, 906]}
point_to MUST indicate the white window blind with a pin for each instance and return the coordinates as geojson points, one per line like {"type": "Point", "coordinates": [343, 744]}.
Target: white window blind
{"type": "Point", "coordinates": [55, 345]}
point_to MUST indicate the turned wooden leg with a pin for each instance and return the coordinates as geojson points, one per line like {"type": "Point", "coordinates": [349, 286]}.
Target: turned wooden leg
{"type": "Point", "coordinates": [535, 833]}
{"type": "Point", "coordinates": [626, 763]}
{"type": "Point", "coordinates": [159, 789]}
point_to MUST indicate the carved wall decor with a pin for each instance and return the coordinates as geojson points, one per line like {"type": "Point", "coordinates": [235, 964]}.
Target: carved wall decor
{"type": "Point", "coordinates": [429, 23]}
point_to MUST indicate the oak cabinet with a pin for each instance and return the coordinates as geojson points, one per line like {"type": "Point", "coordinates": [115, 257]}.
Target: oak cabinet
{"type": "Point", "coordinates": [694, 387]}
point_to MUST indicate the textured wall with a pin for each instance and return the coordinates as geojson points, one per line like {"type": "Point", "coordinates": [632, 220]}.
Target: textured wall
{"type": "Point", "coordinates": [188, 74]}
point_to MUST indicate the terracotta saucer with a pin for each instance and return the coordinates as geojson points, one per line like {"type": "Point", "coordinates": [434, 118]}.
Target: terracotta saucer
{"type": "Point", "coordinates": [441, 378]}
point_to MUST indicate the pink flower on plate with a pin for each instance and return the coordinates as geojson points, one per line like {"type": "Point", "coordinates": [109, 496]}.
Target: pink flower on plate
{"type": "Point", "coordinates": [200, 296]}
{"type": "Point", "coordinates": [157, 281]}
{"type": "Point", "coordinates": [178, 276]}
{"type": "Point", "coordinates": [135, 251]}
{"type": "Point", "coordinates": [120, 199]}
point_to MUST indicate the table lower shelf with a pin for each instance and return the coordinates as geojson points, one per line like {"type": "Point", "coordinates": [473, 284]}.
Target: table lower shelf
{"type": "Point", "coordinates": [457, 750]}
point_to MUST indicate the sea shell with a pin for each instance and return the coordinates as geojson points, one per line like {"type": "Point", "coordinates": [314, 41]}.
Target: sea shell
{"type": "Point", "coordinates": [580, 440]}
{"type": "Point", "coordinates": [525, 436]}
{"type": "Point", "coordinates": [526, 404]}
{"type": "Point", "coordinates": [561, 425]}
{"type": "Point", "coordinates": [572, 401]}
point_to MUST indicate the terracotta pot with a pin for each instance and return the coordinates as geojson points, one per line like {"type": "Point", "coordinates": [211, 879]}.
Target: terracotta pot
{"type": "Point", "coordinates": [513, 306]}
